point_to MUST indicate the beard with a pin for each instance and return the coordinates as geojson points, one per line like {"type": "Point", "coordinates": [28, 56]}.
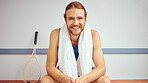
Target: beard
{"type": "Point", "coordinates": [75, 30]}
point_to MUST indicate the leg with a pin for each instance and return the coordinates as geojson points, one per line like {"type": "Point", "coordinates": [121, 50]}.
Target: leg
{"type": "Point", "coordinates": [48, 79]}
{"type": "Point", "coordinates": [103, 79]}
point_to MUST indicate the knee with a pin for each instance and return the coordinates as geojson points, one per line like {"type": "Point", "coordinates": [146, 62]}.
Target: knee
{"type": "Point", "coordinates": [104, 79]}
{"type": "Point", "coordinates": [46, 79]}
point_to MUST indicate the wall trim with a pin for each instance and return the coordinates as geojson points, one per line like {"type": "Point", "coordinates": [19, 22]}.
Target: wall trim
{"type": "Point", "coordinates": [105, 51]}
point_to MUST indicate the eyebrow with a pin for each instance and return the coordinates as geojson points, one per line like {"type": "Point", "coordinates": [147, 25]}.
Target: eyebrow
{"type": "Point", "coordinates": [76, 17]}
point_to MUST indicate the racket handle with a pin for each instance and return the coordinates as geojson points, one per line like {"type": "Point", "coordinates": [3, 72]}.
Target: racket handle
{"type": "Point", "coordinates": [35, 39]}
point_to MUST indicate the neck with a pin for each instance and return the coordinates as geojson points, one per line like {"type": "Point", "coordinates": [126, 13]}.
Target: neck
{"type": "Point", "coordinates": [74, 39]}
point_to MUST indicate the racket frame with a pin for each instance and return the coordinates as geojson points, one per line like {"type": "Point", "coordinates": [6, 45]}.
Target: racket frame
{"type": "Point", "coordinates": [33, 55]}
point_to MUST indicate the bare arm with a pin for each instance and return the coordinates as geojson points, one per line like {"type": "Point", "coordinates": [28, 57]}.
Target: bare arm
{"type": "Point", "coordinates": [52, 59]}
{"type": "Point", "coordinates": [98, 59]}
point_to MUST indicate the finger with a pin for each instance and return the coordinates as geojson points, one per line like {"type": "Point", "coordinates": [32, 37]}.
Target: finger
{"type": "Point", "coordinates": [77, 81]}
{"type": "Point", "coordinates": [73, 80]}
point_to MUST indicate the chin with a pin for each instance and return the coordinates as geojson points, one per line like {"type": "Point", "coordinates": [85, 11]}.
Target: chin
{"type": "Point", "coordinates": [76, 33]}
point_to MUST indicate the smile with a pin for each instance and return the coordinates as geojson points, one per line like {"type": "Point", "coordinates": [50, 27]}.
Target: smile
{"type": "Point", "coordinates": [75, 27]}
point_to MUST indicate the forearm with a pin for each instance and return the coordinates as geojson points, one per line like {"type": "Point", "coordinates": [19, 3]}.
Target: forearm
{"type": "Point", "coordinates": [94, 74]}
{"type": "Point", "coordinates": [57, 74]}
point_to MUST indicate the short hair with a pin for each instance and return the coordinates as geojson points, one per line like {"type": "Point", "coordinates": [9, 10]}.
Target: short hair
{"type": "Point", "coordinates": [77, 5]}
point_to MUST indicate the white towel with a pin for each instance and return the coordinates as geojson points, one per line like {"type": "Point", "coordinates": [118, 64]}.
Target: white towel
{"type": "Point", "coordinates": [66, 58]}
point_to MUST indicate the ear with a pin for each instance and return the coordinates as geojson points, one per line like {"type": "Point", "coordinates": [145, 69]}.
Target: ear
{"type": "Point", "coordinates": [85, 17]}
{"type": "Point", "coordinates": [65, 19]}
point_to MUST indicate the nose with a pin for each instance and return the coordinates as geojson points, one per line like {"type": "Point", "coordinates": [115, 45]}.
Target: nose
{"type": "Point", "coordinates": [75, 22]}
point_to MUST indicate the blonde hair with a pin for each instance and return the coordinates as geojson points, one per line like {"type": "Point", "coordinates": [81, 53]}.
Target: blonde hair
{"type": "Point", "coordinates": [77, 5]}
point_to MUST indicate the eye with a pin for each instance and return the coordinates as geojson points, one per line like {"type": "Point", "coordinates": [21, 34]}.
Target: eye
{"type": "Point", "coordinates": [80, 18]}
{"type": "Point", "coordinates": [70, 18]}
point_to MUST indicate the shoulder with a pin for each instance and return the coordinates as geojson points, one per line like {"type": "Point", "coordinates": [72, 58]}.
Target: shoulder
{"type": "Point", "coordinates": [54, 37]}
{"type": "Point", "coordinates": [96, 39]}
{"type": "Point", "coordinates": [95, 34]}
{"type": "Point", "coordinates": [55, 32]}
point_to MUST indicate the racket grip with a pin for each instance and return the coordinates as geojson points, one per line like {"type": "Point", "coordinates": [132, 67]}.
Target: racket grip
{"type": "Point", "coordinates": [35, 39]}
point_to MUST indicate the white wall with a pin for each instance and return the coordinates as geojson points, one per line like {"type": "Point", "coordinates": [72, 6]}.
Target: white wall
{"type": "Point", "coordinates": [121, 24]}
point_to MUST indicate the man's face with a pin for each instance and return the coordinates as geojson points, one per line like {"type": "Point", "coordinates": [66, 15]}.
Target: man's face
{"type": "Point", "coordinates": [75, 21]}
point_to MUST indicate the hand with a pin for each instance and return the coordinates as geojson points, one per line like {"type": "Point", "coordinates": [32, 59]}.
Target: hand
{"type": "Point", "coordinates": [72, 80]}
{"type": "Point", "coordinates": [69, 80]}
{"type": "Point", "coordinates": [80, 80]}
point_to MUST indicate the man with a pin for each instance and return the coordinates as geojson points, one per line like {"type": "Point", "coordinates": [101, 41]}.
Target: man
{"type": "Point", "coordinates": [75, 18]}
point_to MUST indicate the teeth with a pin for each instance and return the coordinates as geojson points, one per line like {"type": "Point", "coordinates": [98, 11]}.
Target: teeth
{"type": "Point", "coordinates": [75, 27]}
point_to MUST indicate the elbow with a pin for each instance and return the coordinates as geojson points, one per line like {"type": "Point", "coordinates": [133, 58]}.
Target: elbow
{"type": "Point", "coordinates": [50, 69]}
{"type": "Point", "coordinates": [103, 70]}
{"type": "Point", "coordinates": [46, 67]}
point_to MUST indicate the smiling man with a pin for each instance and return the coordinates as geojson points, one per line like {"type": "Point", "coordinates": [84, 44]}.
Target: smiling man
{"type": "Point", "coordinates": [74, 49]}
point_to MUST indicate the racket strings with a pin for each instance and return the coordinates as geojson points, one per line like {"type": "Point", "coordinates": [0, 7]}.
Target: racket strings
{"type": "Point", "coordinates": [32, 70]}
